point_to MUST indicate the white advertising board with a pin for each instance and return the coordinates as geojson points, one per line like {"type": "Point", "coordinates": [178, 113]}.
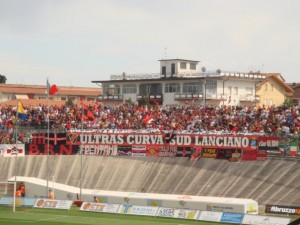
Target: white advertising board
{"type": "Point", "coordinates": [210, 216]}
{"type": "Point", "coordinates": [138, 210]}
{"type": "Point", "coordinates": [178, 213]}
{"type": "Point", "coordinates": [265, 220]}
{"type": "Point", "coordinates": [99, 207]}
{"type": "Point", "coordinates": [52, 204]}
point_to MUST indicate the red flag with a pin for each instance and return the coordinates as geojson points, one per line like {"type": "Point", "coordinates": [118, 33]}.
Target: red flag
{"type": "Point", "coordinates": [53, 89]}
{"type": "Point", "coordinates": [147, 119]}
{"type": "Point", "coordinates": [87, 114]}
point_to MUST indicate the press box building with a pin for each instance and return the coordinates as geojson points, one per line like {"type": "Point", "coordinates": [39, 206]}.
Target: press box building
{"type": "Point", "coordinates": [181, 82]}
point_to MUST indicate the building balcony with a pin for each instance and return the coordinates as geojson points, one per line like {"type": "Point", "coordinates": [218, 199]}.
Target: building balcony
{"type": "Point", "coordinates": [215, 97]}
{"type": "Point", "coordinates": [151, 97]}
{"type": "Point", "coordinates": [249, 98]}
{"type": "Point", "coordinates": [187, 96]}
{"type": "Point", "coordinates": [110, 98]}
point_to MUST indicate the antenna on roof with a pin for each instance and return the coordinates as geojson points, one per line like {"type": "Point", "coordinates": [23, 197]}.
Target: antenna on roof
{"type": "Point", "coordinates": [165, 52]}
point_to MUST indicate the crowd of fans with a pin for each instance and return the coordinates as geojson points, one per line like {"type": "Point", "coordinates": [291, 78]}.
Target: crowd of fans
{"type": "Point", "coordinates": [191, 118]}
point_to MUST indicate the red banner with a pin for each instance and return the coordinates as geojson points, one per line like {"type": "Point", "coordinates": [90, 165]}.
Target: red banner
{"type": "Point", "coordinates": [249, 155]}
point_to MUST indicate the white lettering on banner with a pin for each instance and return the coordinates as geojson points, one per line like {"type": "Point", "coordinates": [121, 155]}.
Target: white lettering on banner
{"type": "Point", "coordinates": [101, 139]}
{"type": "Point", "coordinates": [145, 139]}
{"type": "Point", "coordinates": [222, 141]}
{"type": "Point", "coordinates": [286, 210]}
{"type": "Point", "coordinates": [181, 140]}
{"type": "Point", "coordinates": [98, 149]}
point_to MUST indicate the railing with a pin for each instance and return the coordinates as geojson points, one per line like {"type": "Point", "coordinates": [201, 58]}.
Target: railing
{"type": "Point", "coordinates": [249, 98]}
{"type": "Point", "coordinates": [110, 97]}
{"type": "Point", "coordinates": [142, 76]}
{"type": "Point", "coordinates": [150, 97]}
{"type": "Point", "coordinates": [181, 96]}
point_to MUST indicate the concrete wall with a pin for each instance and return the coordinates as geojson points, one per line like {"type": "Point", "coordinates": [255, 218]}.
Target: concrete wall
{"type": "Point", "coordinates": [273, 181]}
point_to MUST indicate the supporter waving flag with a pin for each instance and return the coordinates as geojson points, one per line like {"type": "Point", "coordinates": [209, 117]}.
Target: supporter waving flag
{"type": "Point", "coordinates": [87, 114]}
{"type": "Point", "coordinates": [21, 112]}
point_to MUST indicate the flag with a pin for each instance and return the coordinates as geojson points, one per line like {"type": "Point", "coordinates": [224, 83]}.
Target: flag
{"type": "Point", "coordinates": [147, 119]}
{"type": "Point", "coordinates": [21, 112]}
{"type": "Point", "coordinates": [51, 89]}
{"type": "Point", "coordinates": [56, 138]}
{"type": "Point", "coordinates": [87, 114]}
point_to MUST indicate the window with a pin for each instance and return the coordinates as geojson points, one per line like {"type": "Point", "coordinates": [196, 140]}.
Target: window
{"type": "Point", "coordinates": [211, 87]}
{"type": "Point", "coordinates": [272, 87]}
{"type": "Point", "coordinates": [111, 89]}
{"type": "Point", "coordinates": [236, 90]}
{"type": "Point", "coordinates": [249, 91]}
{"type": "Point", "coordinates": [183, 65]}
{"type": "Point", "coordinates": [129, 89]}
{"type": "Point", "coordinates": [172, 87]}
{"type": "Point", "coordinates": [192, 66]}
{"type": "Point", "coordinates": [63, 98]}
{"type": "Point", "coordinates": [271, 102]}
{"type": "Point", "coordinates": [150, 89]}
{"type": "Point", "coordinates": [266, 87]}
{"type": "Point", "coordinates": [229, 90]}
{"type": "Point", "coordinates": [164, 70]}
{"type": "Point", "coordinates": [192, 88]}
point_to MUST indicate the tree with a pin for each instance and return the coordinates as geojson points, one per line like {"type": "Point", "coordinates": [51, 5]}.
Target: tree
{"type": "Point", "coordinates": [2, 79]}
{"type": "Point", "coordinates": [203, 69]}
{"type": "Point", "coordinates": [218, 71]}
{"type": "Point", "coordinates": [69, 102]}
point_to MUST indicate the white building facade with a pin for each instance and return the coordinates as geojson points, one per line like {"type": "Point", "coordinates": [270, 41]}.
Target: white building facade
{"type": "Point", "coordinates": [180, 82]}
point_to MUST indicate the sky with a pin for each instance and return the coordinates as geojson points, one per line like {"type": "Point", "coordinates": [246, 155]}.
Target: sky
{"type": "Point", "coordinates": [75, 42]}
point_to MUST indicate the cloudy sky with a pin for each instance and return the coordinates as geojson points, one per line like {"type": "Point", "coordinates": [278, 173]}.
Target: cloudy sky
{"type": "Point", "coordinates": [73, 42]}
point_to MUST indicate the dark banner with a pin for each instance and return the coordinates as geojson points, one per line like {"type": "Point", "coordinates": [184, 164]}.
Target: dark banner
{"type": "Point", "coordinates": [116, 137]}
{"type": "Point", "coordinates": [142, 143]}
{"type": "Point", "coordinates": [232, 155]}
{"type": "Point", "coordinates": [124, 150]}
{"type": "Point", "coordinates": [268, 143]}
{"type": "Point", "coordinates": [42, 149]}
{"type": "Point", "coordinates": [280, 209]}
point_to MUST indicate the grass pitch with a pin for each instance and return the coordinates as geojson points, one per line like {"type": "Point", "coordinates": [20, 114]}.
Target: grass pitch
{"type": "Point", "coordinates": [75, 217]}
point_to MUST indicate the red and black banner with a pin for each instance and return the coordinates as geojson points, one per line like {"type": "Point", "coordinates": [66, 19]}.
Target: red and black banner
{"type": "Point", "coordinates": [43, 149]}
{"type": "Point", "coordinates": [268, 143]}
{"type": "Point", "coordinates": [51, 138]}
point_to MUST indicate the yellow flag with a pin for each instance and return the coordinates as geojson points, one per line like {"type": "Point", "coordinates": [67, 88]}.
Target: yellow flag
{"type": "Point", "coordinates": [20, 108]}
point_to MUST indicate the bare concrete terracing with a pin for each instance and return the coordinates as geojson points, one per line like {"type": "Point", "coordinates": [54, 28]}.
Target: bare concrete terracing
{"type": "Point", "coordinates": [274, 181]}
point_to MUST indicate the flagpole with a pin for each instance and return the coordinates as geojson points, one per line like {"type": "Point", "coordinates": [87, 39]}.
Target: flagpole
{"type": "Point", "coordinates": [16, 157]}
{"type": "Point", "coordinates": [81, 163]}
{"type": "Point", "coordinates": [48, 130]}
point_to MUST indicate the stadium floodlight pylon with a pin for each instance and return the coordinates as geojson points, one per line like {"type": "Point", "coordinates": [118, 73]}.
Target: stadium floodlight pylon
{"type": "Point", "coordinates": [8, 190]}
